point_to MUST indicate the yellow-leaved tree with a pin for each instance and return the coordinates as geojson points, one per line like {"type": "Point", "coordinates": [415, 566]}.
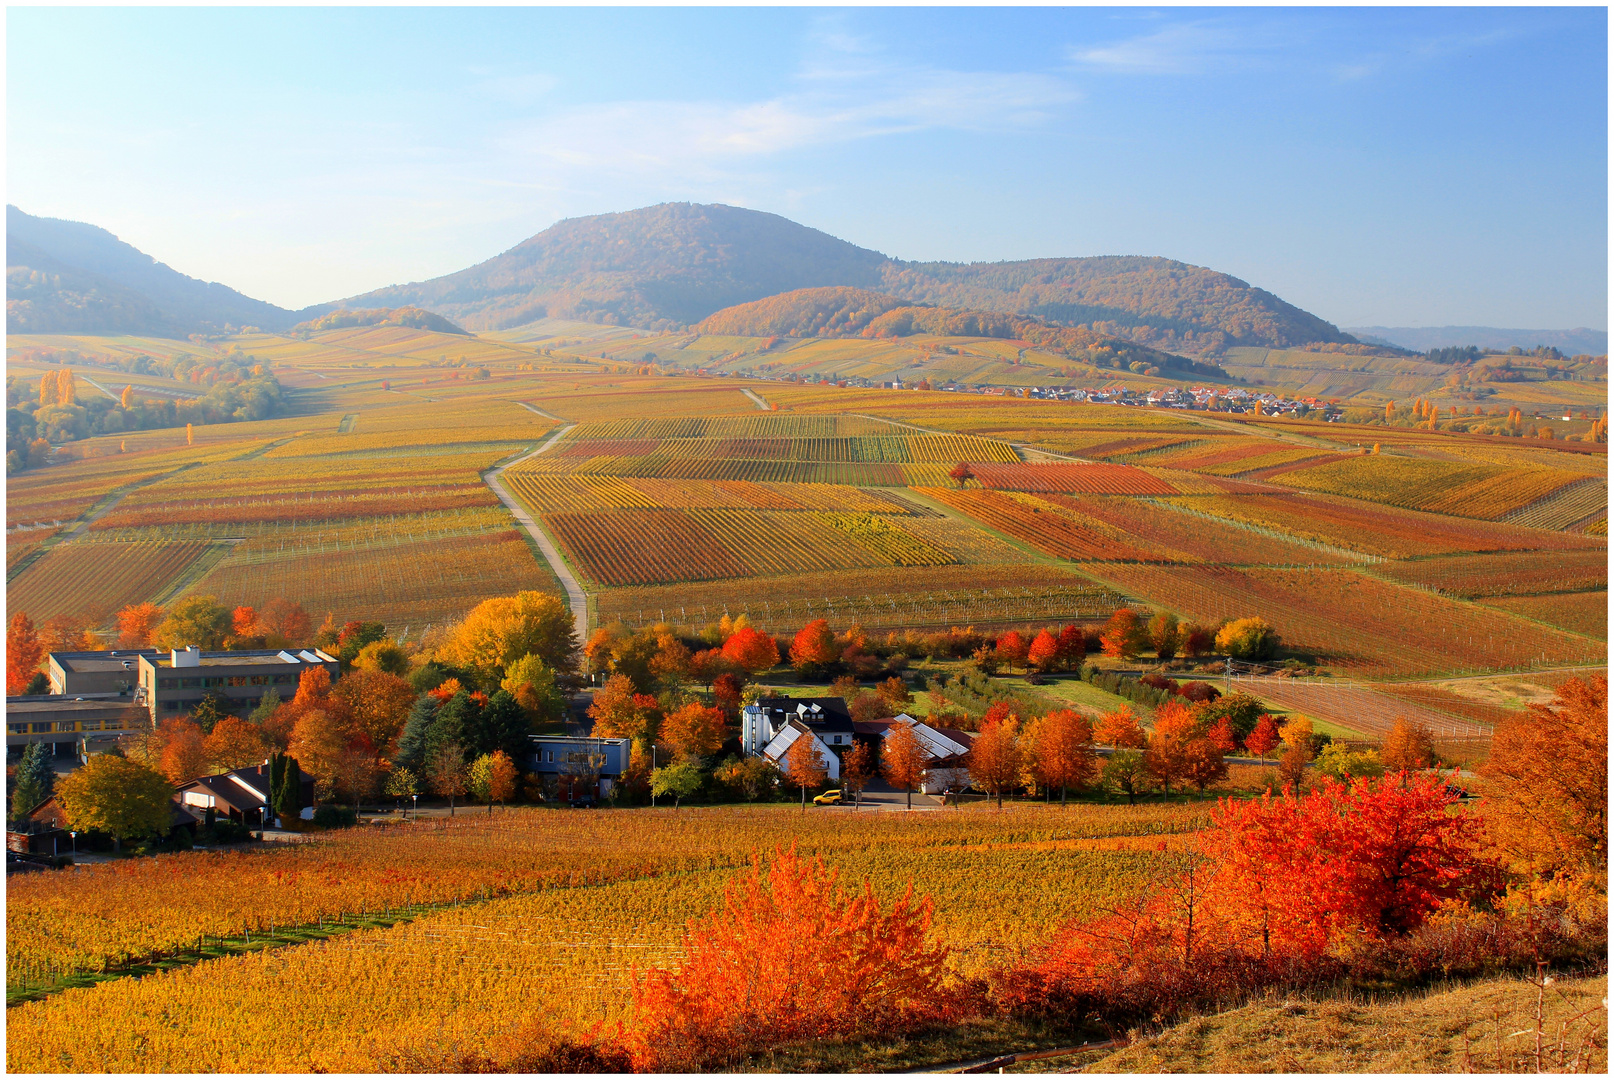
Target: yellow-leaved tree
{"type": "Point", "coordinates": [498, 632]}
{"type": "Point", "coordinates": [117, 796]}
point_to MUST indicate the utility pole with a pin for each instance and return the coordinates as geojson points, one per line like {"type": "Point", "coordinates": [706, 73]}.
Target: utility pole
{"type": "Point", "coordinates": [1229, 674]}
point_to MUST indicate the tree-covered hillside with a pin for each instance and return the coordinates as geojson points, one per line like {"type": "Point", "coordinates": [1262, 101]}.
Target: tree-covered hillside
{"type": "Point", "coordinates": [659, 267]}
{"type": "Point", "coordinates": [847, 312]}
{"type": "Point", "coordinates": [69, 277]}
{"type": "Point", "coordinates": [1160, 302]}
{"type": "Point", "coordinates": [664, 267]}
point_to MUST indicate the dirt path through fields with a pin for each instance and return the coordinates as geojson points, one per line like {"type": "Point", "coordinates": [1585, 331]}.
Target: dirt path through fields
{"type": "Point", "coordinates": [576, 598]}
{"type": "Point", "coordinates": [756, 397]}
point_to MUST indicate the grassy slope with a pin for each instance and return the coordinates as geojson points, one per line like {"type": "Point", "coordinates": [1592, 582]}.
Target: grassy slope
{"type": "Point", "coordinates": [1421, 1033]}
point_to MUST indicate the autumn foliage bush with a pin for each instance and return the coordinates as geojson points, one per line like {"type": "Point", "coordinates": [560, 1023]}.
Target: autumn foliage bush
{"type": "Point", "coordinates": [790, 955]}
{"type": "Point", "coordinates": [1281, 891]}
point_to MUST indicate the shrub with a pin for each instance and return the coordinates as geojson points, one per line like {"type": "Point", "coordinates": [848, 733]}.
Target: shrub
{"type": "Point", "coordinates": [1247, 639]}
{"type": "Point", "coordinates": [791, 955]}
{"type": "Point", "coordinates": [335, 817]}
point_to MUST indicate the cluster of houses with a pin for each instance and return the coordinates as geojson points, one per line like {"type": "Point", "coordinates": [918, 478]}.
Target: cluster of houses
{"type": "Point", "coordinates": [1229, 399]}
{"type": "Point", "coordinates": [98, 697]}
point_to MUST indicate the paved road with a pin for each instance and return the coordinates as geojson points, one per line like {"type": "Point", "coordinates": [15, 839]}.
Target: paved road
{"type": "Point", "coordinates": [576, 599]}
{"type": "Point", "coordinates": [756, 397]}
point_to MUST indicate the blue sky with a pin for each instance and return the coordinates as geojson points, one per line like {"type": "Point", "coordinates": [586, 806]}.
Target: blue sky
{"type": "Point", "coordinates": [1375, 166]}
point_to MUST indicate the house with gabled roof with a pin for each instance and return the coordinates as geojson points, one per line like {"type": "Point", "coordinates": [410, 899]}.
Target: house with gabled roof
{"type": "Point", "coordinates": [239, 795]}
{"type": "Point", "coordinates": [778, 749]}
{"type": "Point", "coordinates": [763, 720]}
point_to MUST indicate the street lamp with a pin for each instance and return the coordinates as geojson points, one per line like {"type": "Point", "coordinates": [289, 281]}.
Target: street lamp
{"type": "Point", "coordinates": [74, 834]}
{"type": "Point", "coordinates": [417, 803]}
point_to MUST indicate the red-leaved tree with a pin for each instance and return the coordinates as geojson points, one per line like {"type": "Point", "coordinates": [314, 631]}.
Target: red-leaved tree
{"type": "Point", "coordinates": [791, 955]}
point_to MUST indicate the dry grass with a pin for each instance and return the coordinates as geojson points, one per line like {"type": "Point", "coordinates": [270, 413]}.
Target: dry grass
{"type": "Point", "coordinates": [1468, 1029]}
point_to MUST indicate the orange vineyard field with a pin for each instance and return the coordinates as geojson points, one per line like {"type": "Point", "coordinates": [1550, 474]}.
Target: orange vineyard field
{"type": "Point", "coordinates": [79, 576]}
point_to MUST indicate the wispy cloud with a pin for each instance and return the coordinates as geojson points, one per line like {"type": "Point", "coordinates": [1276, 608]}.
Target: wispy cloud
{"type": "Point", "coordinates": [845, 101]}
{"type": "Point", "coordinates": [1185, 49]}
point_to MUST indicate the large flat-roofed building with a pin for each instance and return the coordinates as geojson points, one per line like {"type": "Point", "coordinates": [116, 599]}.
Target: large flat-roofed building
{"type": "Point", "coordinates": [173, 683]}
{"type": "Point", "coordinates": [116, 671]}
{"type": "Point", "coordinates": [582, 765]}
{"type": "Point", "coordinates": [67, 721]}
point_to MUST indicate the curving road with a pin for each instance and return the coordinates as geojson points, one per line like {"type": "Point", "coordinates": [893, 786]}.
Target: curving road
{"type": "Point", "coordinates": [576, 599]}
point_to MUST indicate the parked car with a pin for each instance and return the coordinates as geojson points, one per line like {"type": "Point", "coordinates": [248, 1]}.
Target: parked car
{"type": "Point", "coordinates": [829, 798]}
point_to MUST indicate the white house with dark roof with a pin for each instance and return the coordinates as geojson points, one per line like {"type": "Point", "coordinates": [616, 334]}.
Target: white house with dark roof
{"type": "Point", "coordinates": [763, 720]}
{"type": "Point", "coordinates": [778, 748]}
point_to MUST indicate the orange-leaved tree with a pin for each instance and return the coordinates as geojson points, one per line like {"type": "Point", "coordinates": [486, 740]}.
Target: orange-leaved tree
{"type": "Point", "coordinates": [751, 650]}
{"type": "Point", "coordinates": [815, 649]}
{"type": "Point", "coordinates": [693, 731]}
{"type": "Point", "coordinates": [902, 759]}
{"type": "Point", "coordinates": [858, 768]}
{"type": "Point", "coordinates": [620, 713]}
{"type": "Point", "coordinates": [1124, 635]}
{"type": "Point", "coordinates": [1013, 649]}
{"type": "Point", "coordinates": [136, 623]}
{"type": "Point", "coordinates": [1407, 747]}
{"type": "Point", "coordinates": [805, 765]}
{"type": "Point", "coordinates": [1546, 805]}
{"type": "Point", "coordinates": [791, 955]}
{"type": "Point", "coordinates": [1277, 886]}
{"type": "Point", "coordinates": [1174, 730]}
{"type": "Point", "coordinates": [24, 653]}
{"type": "Point", "coordinates": [1121, 730]}
{"type": "Point", "coordinates": [1044, 652]}
{"type": "Point", "coordinates": [235, 743]}
{"type": "Point", "coordinates": [183, 755]}
{"type": "Point", "coordinates": [994, 757]}
{"type": "Point", "coordinates": [1062, 751]}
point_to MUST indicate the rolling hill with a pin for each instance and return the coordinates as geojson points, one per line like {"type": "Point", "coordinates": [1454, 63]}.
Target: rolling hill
{"type": "Point", "coordinates": [840, 312]}
{"type": "Point", "coordinates": [68, 277]}
{"type": "Point", "coordinates": [667, 266]}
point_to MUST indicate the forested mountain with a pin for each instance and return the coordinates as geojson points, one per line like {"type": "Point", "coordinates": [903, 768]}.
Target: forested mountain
{"type": "Point", "coordinates": [659, 267]}
{"type": "Point", "coordinates": [849, 312]}
{"type": "Point", "coordinates": [675, 264]}
{"type": "Point", "coordinates": [69, 277]}
{"type": "Point", "coordinates": [1161, 302]}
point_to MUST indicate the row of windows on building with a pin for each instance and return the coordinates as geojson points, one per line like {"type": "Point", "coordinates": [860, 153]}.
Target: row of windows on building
{"type": "Point", "coordinates": [210, 682]}
{"type": "Point", "coordinates": [45, 727]}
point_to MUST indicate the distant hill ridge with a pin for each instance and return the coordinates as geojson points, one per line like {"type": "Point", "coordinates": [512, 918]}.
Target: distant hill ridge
{"type": "Point", "coordinates": [417, 318]}
{"type": "Point", "coordinates": [1580, 340]}
{"type": "Point", "coordinates": [839, 311]}
{"type": "Point", "coordinates": [69, 277]}
{"type": "Point", "coordinates": [671, 265]}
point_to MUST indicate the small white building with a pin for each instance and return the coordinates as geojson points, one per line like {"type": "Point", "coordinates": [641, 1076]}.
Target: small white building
{"type": "Point", "coordinates": [778, 749]}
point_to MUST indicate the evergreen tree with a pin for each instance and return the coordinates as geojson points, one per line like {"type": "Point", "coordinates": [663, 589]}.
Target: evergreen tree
{"type": "Point", "coordinates": [36, 779]}
{"type": "Point", "coordinates": [289, 799]}
{"type": "Point", "coordinates": [266, 707]}
{"type": "Point", "coordinates": [502, 725]}
{"type": "Point", "coordinates": [411, 753]}
{"type": "Point", "coordinates": [457, 720]}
